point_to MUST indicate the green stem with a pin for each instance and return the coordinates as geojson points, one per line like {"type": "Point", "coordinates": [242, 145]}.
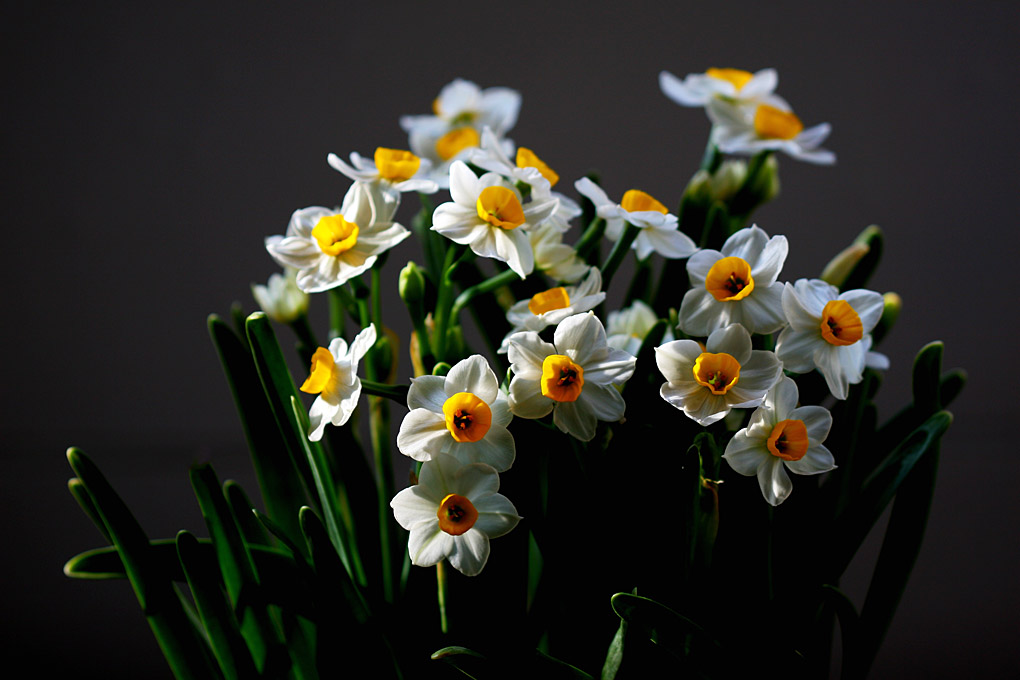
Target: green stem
{"type": "Point", "coordinates": [617, 254]}
{"type": "Point", "coordinates": [444, 300]}
{"type": "Point", "coordinates": [306, 337]}
{"type": "Point", "coordinates": [337, 310]}
{"type": "Point", "coordinates": [397, 393]}
{"type": "Point", "coordinates": [441, 594]}
{"type": "Point", "coordinates": [591, 238]}
{"type": "Point", "coordinates": [712, 158]}
{"type": "Point", "coordinates": [487, 286]}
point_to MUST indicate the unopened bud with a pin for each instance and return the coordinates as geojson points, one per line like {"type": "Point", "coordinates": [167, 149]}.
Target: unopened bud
{"type": "Point", "coordinates": [839, 267]}
{"type": "Point", "coordinates": [890, 313]}
{"type": "Point", "coordinates": [281, 300]}
{"type": "Point", "coordinates": [411, 284]}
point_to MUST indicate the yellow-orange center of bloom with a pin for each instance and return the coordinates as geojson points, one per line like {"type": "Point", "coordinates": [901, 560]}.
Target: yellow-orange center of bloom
{"type": "Point", "coordinates": [636, 200]}
{"type": "Point", "coordinates": [396, 165]}
{"type": "Point", "coordinates": [718, 372]}
{"type": "Point", "coordinates": [500, 207]}
{"type": "Point", "coordinates": [729, 279]}
{"type": "Point", "coordinates": [467, 417]}
{"type": "Point", "coordinates": [788, 440]}
{"type": "Point", "coordinates": [322, 374]}
{"type": "Point", "coordinates": [840, 323]}
{"type": "Point", "coordinates": [773, 123]}
{"type": "Point", "coordinates": [456, 514]}
{"type": "Point", "coordinates": [526, 158]}
{"type": "Point", "coordinates": [334, 234]}
{"type": "Point", "coordinates": [735, 76]}
{"type": "Point", "coordinates": [455, 141]}
{"type": "Point", "coordinates": [547, 301]}
{"type": "Point", "coordinates": [562, 379]}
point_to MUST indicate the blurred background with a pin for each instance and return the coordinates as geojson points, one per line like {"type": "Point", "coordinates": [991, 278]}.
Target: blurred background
{"type": "Point", "coordinates": [147, 150]}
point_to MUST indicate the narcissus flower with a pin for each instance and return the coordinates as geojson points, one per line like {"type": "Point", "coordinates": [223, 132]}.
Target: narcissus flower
{"type": "Point", "coordinates": [463, 414]}
{"type": "Point", "coordinates": [527, 168]}
{"type": "Point", "coordinates": [732, 84]}
{"type": "Point", "coordinates": [487, 215]}
{"type": "Point", "coordinates": [551, 306]}
{"type": "Point", "coordinates": [781, 437]}
{"type": "Point", "coordinates": [330, 247]}
{"type": "Point", "coordinates": [281, 299]}
{"type": "Point", "coordinates": [452, 512]}
{"type": "Point", "coordinates": [628, 327]}
{"type": "Point", "coordinates": [830, 331]}
{"type": "Point", "coordinates": [553, 257]}
{"type": "Point", "coordinates": [574, 377]}
{"type": "Point", "coordinates": [395, 168]}
{"type": "Point", "coordinates": [462, 111]}
{"type": "Point", "coordinates": [658, 233]}
{"type": "Point", "coordinates": [705, 383]}
{"type": "Point", "coordinates": [334, 377]}
{"type": "Point", "coordinates": [737, 285]}
{"type": "Point", "coordinates": [742, 129]}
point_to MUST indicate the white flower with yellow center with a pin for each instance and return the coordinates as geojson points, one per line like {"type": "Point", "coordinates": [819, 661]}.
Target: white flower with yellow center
{"type": "Point", "coordinates": [742, 129]}
{"type": "Point", "coordinates": [628, 327]}
{"type": "Point", "coordinates": [452, 512]}
{"type": "Point", "coordinates": [552, 306]}
{"type": "Point", "coordinates": [334, 377]}
{"type": "Point", "coordinates": [705, 383]}
{"type": "Point", "coordinates": [737, 285]}
{"type": "Point", "coordinates": [781, 437]}
{"type": "Point", "coordinates": [732, 84]}
{"type": "Point", "coordinates": [553, 257]}
{"type": "Point", "coordinates": [463, 414]}
{"type": "Point", "coordinates": [575, 377]}
{"type": "Point", "coordinates": [487, 215]}
{"type": "Point", "coordinates": [330, 247]}
{"type": "Point", "coordinates": [397, 169]}
{"type": "Point", "coordinates": [658, 233]}
{"type": "Point", "coordinates": [830, 331]}
{"type": "Point", "coordinates": [281, 299]}
{"type": "Point", "coordinates": [462, 111]}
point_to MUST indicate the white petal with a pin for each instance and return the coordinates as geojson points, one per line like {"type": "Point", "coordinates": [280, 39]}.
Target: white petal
{"type": "Point", "coordinates": [675, 360]}
{"type": "Point", "coordinates": [427, 392]}
{"type": "Point", "coordinates": [464, 185]}
{"type": "Point", "coordinates": [762, 310]}
{"type": "Point", "coordinates": [470, 552]}
{"type": "Point", "coordinates": [868, 305]}
{"type": "Point", "coordinates": [593, 192]}
{"type": "Point", "coordinates": [428, 544]}
{"type": "Point", "coordinates": [733, 340]}
{"type": "Point", "coordinates": [828, 361]}
{"type": "Point", "coordinates": [319, 414]}
{"type": "Point", "coordinates": [747, 244]}
{"type": "Point", "coordinates": [796, 349]}
{"type": "Point", "coordinates": [816, 460]}
{"type": "Point", "coordinates": [363, 341]}
{"type": "Point", "coordinates": [496, 449]}
{"type": "Point", "coordinates": [527, 353]}
{"type": "Point", "coordinates": [766, 267]}
{"type": "Point", "coordinates": [816, 419]}
{"type": "Point", "coordinates": [711, 409]}
{"type": "Point", "coordinates": [782, 400]}
{"type": "Point", "coordinates": [473, 375]}
{"type": "Point", "coordinates": [701, 313]}
{"type": "Point", "coordinates": [774, 482]}
{"type": "Point", "coordinates": [745, 454]}
{"type": "Point", "coordinates": [616, 368]}
{"type": "Point", "coordinates": [700, 264]}
{"type": "Point", "coordinates": [413, 505]}
{"type": "Point", "coordinates": [496, 515]}
{"type": "Point", "coordinates": [526, 399]}
{"type": "Point", "coordinates": [472, 480]}
{"type": "Point", "coordinates": [671, 244]}
{"type": "Point", "coordinates": [604, 401]}
{"type": "Point", "coordinates": [757, 376]}
{"type": "Point", "coordinates": [422, 434]}
{"type": "Point", "coordinates": [678, 91]}
{"type": "Point", "coordinates": [576, 419]}
{"type": "Point", "coordinates": [582, 337]}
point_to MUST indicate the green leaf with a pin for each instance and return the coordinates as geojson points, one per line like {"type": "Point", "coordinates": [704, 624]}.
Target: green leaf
{"type": "Point", "coordinates": [215, 610]}
{"type": "Point", "coordinates": [241, 507]}
{"type": "Point", "coordinates": [927, 378]}
{"type": "Point", "coordinates": [551, 667]}
{"type": "Point", "coordinates": [849, 623]}
{"type": "Point", "coordinates": [81, 495]}
{"type": "Point", "coordinates": [283, 491]}
{"type": "Point", "coordinates": [182, 645]}
{"type": "Point", "coordinates": [614, 657]}
{"type": "Point", "coordinates": [658, 622]}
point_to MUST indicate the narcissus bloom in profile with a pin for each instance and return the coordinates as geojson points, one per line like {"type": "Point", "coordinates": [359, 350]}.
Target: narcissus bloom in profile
{"type": "Point", "coordinates": [281, 299]}
{"type": "Point", "coordinates": [334, 377]}
{"type": "Point", "coordinates": [737, 285]}
{"type": "Point", "coordinates": [452, 512]}
{"type": "Point", "coordinates": [330, 247]}
{"type": "Point", "coordinates": [395, 168]}
{"type": "Point", "coordinates": [628, 327]}
{"type": "Point", "coordinates": [574, 377]}
{"type": "Point", "coordinates": [742, 129]}
{"type": "Point", "coordinates": [551, 306]}
{"type": "Point", "coordinates": [462, 413]}
{"type": "Point", "coordinates": [781, 437]}
{"type": "Point", "coordinates": [658, 233]}
{"type": "Point", "coordinates": [732, 84]}
{"type": "Point", "coordinates": [553, 257]}
{"type": "Point", "coordinates": [830, 331]}
{"type": "Point", "coordinates": [527, 167]}
{"type": "Point", "coordinates": [706, 383]}
{"type": "Point", "coordinates": [462, 111]}
{"type": "Point", "coordinates": [487, 215]}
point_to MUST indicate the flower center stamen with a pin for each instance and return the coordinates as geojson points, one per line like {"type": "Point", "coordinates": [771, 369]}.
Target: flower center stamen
{"type": "Point", "coordinates": [773, 123]}
{"type": "Point", "coordinates": [456, 514]}
{"type": "Point", "coordinates": [322, 374]}
{"type": "Point", "coordinates": [718, 372]}
{"type": "Point", "coordinates": [467, 417]}
{"type": "Point", "coordinates": [730, 279]}
{"type": "Point", "coordinates": [788, 440]}
{"type": "Point", "coordinates": [562, 379]}
{"type": "Point", "coordinates": [840, 323]}
{"type": "Point", "coordinates": [526, 158]}
{"type": "Point", "coordinates": [547, 301]}
{"type": "Point", "coordinates": [335, 235]}
{"type": "Point", "coordinates": [455, 141]}
{"type": "Point", "coordinates": [736, 76]}
{"type": "Point", "coordinates": [396, 165]}
{"type": "Point", "coordinates": [636, 200]}
{"type": "Point", "coordinates": [500, 207]}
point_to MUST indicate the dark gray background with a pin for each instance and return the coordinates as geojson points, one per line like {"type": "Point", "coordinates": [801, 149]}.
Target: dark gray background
{"type": "Point", "coordinates": [146, 152]}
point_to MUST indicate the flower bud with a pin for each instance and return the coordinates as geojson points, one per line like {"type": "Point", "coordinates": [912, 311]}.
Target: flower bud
{"type": "Point", "coordinates": [281, 300]}
{"type": "Point", "coordinates": [839, 267]}
{"type": "Point", "coordinates": [890, 313]}
{"type": "Point", "coordinates": [411, 284]}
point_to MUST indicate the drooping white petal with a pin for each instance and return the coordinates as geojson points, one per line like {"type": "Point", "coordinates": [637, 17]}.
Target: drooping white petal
{"type": "Point", "coordinates": [319, 414]}
{"type": "Point", "coordinates": [427, 544]}
{"type": "Point", "coordinates": [470, 552]}
{"type": "Point", "coordinates": [774, 482]}
{"type": "Point", "coordinates": [575, 418]}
